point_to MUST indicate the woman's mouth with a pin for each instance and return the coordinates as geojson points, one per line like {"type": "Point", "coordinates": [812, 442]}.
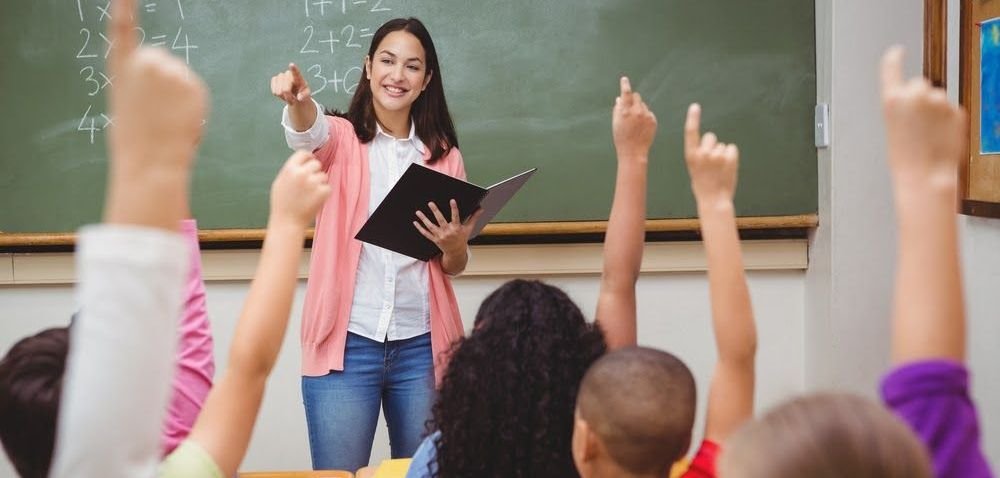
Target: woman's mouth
{"type": "Point", "coordinates": [394, 91]}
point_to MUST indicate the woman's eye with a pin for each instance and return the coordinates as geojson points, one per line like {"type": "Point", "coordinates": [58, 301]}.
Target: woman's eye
{"type": "Point", "coordinates": [414, 68]}
{"type": "Point", "coordinates": [386, 61]}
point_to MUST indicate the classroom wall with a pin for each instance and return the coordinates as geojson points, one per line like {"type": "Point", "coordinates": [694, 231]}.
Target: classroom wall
{"type": "Point", "coordinates": [851, 258]}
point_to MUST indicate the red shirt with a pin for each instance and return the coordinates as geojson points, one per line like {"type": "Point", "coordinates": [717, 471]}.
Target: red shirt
{"type": "Point", "coordinates": [703, 464]}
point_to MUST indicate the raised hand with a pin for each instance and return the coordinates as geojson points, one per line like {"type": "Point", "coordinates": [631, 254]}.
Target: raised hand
{"type": "Point", "coordinates": [290, 86]}
{"type": "Point", "coordinates": [299, 190]}
{"type": "Point", "coordinates": [450, 236]}
{"type": "Point", "coordinates": [927, 135]}
{"type": "Point", "coordinates": [158, 103]}
{"type": "Point", "coordinates": [633, 125]}
{"type": "Point", "coordinates": [226, 422]}
{"type": "Point", "coordinates": [712, 165]}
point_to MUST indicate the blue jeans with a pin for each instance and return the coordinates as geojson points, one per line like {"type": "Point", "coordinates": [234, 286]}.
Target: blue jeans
{"type": "Point", "coordinates": [342, 407]}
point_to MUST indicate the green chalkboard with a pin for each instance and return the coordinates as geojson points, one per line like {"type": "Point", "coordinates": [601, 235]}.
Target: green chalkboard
{"type": "Point", "coordinates": [530, 84]}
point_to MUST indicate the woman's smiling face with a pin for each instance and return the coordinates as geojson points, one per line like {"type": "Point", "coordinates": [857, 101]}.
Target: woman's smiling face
{"type": "Point", "coordinates": [397, 72]}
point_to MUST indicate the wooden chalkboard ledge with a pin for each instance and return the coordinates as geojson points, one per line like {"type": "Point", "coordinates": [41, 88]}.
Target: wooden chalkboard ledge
{"type": "Point", "coordinates": [503, 232]}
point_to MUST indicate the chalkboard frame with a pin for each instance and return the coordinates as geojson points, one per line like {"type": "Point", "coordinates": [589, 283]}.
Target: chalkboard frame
{"type": "Point", "coordinates": [509, 232]}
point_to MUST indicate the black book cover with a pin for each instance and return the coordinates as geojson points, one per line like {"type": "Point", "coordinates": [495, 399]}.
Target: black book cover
{"type": "Point", "coordinates": [391, 225]}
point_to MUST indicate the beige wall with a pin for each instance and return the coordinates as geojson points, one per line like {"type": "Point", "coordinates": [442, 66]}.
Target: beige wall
{"type": "Point", "coordinates": [673, 314]}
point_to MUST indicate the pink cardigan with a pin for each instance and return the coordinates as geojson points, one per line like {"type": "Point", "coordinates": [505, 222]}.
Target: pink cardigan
{"type": "Point", "coordinates": [335, 256]}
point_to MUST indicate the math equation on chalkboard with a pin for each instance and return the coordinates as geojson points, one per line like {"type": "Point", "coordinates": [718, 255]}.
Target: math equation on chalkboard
{"type": "Point", "coordinates": [331, 27]}
{"type": "Point", "coordinates": [94, 47]}
{"type": "Point", "coordinates": [329, 40]}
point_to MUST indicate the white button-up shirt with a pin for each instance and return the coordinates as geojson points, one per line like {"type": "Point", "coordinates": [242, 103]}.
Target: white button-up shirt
{"type": "Point", "coordinates": [390, 294]}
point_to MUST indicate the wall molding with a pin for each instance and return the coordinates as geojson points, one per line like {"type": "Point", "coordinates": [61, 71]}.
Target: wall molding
{"type": "Point", "coordinates": [487, 260]}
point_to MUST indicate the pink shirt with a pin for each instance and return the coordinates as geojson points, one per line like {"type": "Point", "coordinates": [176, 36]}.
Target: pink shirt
{"type": "Point", "coordinates": [195, 365]}
{"type": "Point", "coordinates": [335, 256]}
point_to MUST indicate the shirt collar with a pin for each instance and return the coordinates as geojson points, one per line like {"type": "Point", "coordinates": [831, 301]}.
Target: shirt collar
{"type": "Point", "coordinates": [412, 137]}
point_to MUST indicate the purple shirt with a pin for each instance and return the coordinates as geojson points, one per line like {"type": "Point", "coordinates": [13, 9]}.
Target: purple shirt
{"type": "Point", "coordinates": [932, 396]}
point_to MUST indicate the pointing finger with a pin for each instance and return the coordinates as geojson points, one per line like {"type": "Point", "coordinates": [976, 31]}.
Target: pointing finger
{"type": "Point", "coordinates": [296, 74]}
{"type": "Point", "coordinates": [626, 91]}
{"type": "Point", "coordinates": [121, 30]}
{"type": "Point", "coordinates": [892, 69]}
{"type": "Point", "coordinates": [692, 127]}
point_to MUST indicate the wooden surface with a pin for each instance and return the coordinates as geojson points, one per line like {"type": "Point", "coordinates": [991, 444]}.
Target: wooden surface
{"type": "Point", "coordinates": [936, 42]}
{"type": "Point", "coordinates": [297, 474]}
{"type": "Point", "coordinates": [804, 221]}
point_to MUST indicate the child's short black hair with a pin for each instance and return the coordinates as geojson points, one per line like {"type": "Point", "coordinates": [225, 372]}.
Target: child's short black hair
{"type": "Point", "coordinates": [641, 403]}
{"type": "Point", "coordinates": [31, 377]}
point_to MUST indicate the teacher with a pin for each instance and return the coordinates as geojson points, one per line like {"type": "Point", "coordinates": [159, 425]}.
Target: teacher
{"type": "Point", "coordinates": [376, 325]}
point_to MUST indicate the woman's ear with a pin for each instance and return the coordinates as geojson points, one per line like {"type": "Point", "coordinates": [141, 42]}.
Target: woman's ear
{"type": "Point", "coordinates": [368, 67]}
{"type": "Point", "coordinates": [427, 79]}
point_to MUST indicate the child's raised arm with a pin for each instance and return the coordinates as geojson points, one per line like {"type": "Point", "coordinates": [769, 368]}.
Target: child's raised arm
{"type": "Point", "coordinates": [224, 427]}
{"type": "Point", "coordinates": [929, 387]}
{"type": "Point", "coordinates": [131, 269]}
{"type": "Point", "coordinates": [927, 137]}
{"type": "Point", "coordinates": [634, 127]}
{"type": "Point", "coordinates": [712, 166]}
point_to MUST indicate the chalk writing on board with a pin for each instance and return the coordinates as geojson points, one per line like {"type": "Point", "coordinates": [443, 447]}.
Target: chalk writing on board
{"type": "Point", "coordinates": [347, 37]}
{"type": "Point", "coordinates": [318, 7]}
{"type": "Point", "coordinates": [94, 80]}
{"type": "Point", "coordinates": [342, 30]}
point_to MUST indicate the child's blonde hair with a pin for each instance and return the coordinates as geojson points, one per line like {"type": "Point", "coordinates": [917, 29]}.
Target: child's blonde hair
{"type": "Point", "coordinates": [825, 435]}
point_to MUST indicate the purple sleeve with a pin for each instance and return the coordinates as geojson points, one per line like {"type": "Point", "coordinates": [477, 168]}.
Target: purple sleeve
{"type": "Point", "coordinates": [932, 396]}
{"type": "Point", "coordinates": [195, 362]}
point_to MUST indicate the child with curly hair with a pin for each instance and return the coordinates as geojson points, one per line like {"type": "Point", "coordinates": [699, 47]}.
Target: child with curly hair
{"type": "Point", "coordinates": [505, 407]}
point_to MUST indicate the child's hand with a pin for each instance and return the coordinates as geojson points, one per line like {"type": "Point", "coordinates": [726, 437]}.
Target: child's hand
{"type": "Point", "coordinates": [157, 103]}
{"type": "Point", "coordinates": [927, 135]}
{"type": "Point", "coordinates": [290, 86]}
{"type": "Point", "coordinates": [299, 189]}
{"type": "Point", "coordinates": [450, 236]}
{"type": "Point", "coordinates": [633, 125]}
{"type": "Point", "coordinates": [712, 165]}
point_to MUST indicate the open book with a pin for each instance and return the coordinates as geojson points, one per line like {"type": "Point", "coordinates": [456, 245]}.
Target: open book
{"type": "Point", "coordinates": [391, 225]}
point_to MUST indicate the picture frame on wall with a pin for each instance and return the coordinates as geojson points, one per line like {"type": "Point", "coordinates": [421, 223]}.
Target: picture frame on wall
{"type": "Point", "coordinates": [979, 93]}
